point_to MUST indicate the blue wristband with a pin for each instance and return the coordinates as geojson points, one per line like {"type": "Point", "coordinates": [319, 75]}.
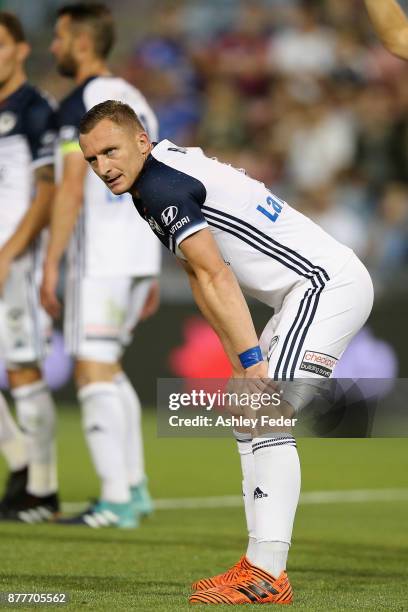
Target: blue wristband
{"type": "Point", "coordinates": [250, 357]}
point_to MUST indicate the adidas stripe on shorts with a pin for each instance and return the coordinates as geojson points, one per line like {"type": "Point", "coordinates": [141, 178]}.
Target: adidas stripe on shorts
{"type": "Point", "coordinates": [317, 320]}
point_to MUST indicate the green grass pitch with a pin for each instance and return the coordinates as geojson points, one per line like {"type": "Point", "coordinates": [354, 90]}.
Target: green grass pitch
{"type": "Point", "coordinates": [345, 556]}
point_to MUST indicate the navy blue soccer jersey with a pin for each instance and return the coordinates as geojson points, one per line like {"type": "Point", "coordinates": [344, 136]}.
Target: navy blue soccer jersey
{"type": "Point", "coordinates": [270, 246]}
{"type": "Point", "coordinates": [27, 140]}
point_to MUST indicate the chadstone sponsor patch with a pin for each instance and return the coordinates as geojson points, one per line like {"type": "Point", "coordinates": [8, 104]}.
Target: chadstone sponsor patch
{"type": "Point", "coordinates": [318, 363]}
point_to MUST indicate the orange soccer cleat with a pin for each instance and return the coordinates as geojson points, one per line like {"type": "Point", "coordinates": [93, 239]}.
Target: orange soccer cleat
{"type": "Point", "coordinates": [255, 586]}
{"type": "Point", "coordinates": [226, 578]}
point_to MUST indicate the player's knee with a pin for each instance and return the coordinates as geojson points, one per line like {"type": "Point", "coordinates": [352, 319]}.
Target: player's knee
{"type": "Point", "coordinates": [23, 374]}
{"type": "Point", "coordinates": [35, 412]}
{"type": "Point", "coordinates": [299, 393]}
{"type": "Point", "coordinates": [270, 419]}
{"type": "Point", "coordinates": [87, 372]}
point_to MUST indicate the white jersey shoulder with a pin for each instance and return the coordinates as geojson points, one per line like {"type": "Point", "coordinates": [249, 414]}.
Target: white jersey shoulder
{"type": "Point", "coordinates": [115, 88]}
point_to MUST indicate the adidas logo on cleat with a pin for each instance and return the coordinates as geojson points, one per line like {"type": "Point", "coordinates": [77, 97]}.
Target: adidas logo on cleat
{"type": "Point", "coordinates": [252, 586]}
{"type": "Point", "coordinates": [258, 493]}
{"type": "Point", "coordinates": [104, 518]}
{"type": "Point", "coordinates": [35, 515]}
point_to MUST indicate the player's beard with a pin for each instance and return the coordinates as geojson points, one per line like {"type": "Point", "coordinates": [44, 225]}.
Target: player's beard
{"type": "Point", "coordinates": [67, 66]}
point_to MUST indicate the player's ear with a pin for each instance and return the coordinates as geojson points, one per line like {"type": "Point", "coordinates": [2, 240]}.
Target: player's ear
{"type": "Point", "coordinates": [143, 142]}
{"type": "Point", "coordinates": [24, 51]}
{"type": "Point", "coordinates": [82, 43]}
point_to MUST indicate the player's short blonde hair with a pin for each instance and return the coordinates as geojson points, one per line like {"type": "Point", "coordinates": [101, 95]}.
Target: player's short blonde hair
{"type": "Point", "coordinates": [117, 112]}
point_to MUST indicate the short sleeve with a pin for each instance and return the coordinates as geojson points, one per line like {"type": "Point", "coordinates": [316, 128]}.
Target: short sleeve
{"type": "Point", "coordinates": [41, 130]}
{"type": "Point", "coordinates": [172, 202]}
{"type": "Point", "coordinates": [69, 117]}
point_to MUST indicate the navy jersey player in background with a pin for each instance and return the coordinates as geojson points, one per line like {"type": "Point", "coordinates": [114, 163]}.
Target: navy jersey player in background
{"type": "Point", "coordinates": [232, 233]}
{"type": "Point", "coordinates": [27, 134]}
{"type": "Point", "coordinates": [391, 25]}
{"type": "Point", "coordinates": [108, 289]}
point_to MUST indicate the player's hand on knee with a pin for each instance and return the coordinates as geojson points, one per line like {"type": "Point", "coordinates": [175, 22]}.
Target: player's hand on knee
{"type": "Point", "coordinates": [257, 371]}
{"type": "Point", "coordinates": [256, 378]}
{"type": "Point", "coordinates": [234, 388]}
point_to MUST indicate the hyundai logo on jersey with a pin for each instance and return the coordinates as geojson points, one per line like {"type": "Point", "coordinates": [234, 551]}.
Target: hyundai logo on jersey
{"type": "Point", "coordinates": [169, 214]}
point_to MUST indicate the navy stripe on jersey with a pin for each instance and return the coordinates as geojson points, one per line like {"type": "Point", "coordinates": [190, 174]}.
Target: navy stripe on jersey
{"type": "Point", "coordinates": [290, 254]}
{"type": "Point", "coordinates": [228, 227]}
{"type": "Point", "coordinates": [294, 261]}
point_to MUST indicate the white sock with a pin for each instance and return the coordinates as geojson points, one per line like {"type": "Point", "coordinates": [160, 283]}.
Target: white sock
{"type": "Point", "coordinates": [244, 443]}
{"type": "Point", "coordinates": [104, 423]}
{"type": "Point", "coordinates": [36, 415]}
{"type": "Point", "coordinates": [134, 435]}
{"type": "Point", "coordinates": [12, 440]}
{"type": "Point", "coordinates": [277, 479]}
{"type": "Point", "coordinates": [272, 557]}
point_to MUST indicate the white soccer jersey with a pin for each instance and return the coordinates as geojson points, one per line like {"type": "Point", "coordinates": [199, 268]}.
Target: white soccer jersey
{"type": "Point", "coordinates": [110, 238]}
{"type": "Point", "coordinates": [27, 135]}
{"type": "Point", "coordinates": [271, 247]}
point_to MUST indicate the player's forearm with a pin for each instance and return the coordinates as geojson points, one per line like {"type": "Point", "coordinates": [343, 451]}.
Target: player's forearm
{"type": "Point", "coordinates": [64, 215]}
{"type": "Point", "coordinates": [228, 309]}
{"type": "Point", "coordinates": [391, 25]}
{"type": "Point", "coordinates": [206, 312]}
{"type": "Point", "coordinates": [33, 222]}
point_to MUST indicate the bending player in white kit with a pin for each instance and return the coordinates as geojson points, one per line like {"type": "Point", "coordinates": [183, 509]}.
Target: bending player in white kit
{"type": "Point", "coordinates": [27, 135]}
{"type": "Point", "coordinates": [231, 232]}
{"type": "Point", "coordinates": [109, 287]}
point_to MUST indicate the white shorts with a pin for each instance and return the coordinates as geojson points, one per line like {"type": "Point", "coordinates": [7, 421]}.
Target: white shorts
{"type": "Point", "coordinates": [101, 314]}
{"type": "Point", "coordinates": [309, 334]}
{"type": "Point", "coordinates": [25, 328]}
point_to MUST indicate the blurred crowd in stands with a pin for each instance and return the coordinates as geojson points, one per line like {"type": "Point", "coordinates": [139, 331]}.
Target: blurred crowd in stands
{"type": "Point", "coordinates": [299, 94]}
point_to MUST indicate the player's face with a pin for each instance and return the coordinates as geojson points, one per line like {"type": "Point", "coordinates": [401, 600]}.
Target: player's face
{"type": "Point", "coordinates": [12, 55]}
{"type": "Point", "coordinates": [62, 47]}
{"type": "Point", "coordinates": [116, 155]}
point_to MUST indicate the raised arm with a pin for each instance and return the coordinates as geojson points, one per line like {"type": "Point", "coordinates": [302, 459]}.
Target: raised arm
{"type": "Point", "coordinates": [220, 299]}
{"type": "Point", "coordinates": [391, 25]}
